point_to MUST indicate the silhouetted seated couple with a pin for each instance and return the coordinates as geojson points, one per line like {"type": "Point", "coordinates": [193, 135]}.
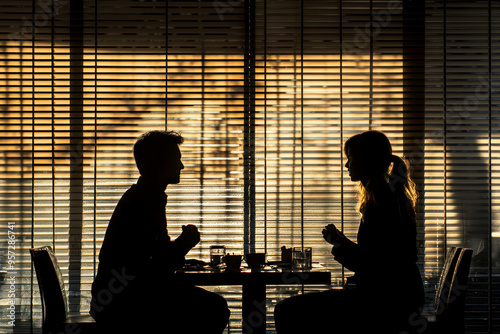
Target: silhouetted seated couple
{"type": "Point", "coordinates": [135, 289]}
{"type": "Point", "coordinates": [389, 290]}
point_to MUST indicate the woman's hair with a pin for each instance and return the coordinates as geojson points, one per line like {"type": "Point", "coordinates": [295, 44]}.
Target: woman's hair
{"type": "Point", "coordinates": [375, 151]}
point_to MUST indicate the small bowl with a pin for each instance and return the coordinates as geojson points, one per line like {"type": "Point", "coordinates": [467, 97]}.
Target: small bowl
{"type": "Point", "coordinates": [255, 260]}
{"type": "Point", "coordinates": [233, 261]}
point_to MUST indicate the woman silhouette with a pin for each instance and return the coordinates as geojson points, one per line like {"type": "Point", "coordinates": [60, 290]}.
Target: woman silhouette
{"type": "Point", "coordinates": [388, 287]}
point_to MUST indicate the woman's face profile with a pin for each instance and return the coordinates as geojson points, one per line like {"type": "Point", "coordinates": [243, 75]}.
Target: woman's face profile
{"type": "Point", "coordinates": [354, 164]}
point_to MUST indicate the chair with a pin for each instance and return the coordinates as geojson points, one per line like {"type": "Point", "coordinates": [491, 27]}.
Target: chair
{"type": "Point", "coordinates": [53, 296]}
{"type": "Point", "coordinates": [449, 304]}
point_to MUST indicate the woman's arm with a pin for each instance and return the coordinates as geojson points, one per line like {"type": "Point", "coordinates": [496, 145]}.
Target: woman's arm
{"type": "Point", "coordinates": [345, 251]}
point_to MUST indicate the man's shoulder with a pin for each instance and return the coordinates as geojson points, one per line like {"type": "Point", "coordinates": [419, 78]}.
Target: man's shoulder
{"type": "Point", "coordinates": [129, 196]}
{"type": "Point", "coordinates": [140, 195]}
{"type": "Point", "coordinates": [131, 192]}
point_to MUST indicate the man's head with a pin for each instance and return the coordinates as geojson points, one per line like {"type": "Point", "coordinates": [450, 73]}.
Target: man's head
{"type": "Point", "coordinates": [158, 157]}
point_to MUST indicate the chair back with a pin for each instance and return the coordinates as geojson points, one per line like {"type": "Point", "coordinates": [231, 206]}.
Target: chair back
{"type": "Point", "coordinates": [450, 263]}
{"type": "Point", "coordinates": [51, 285]}
{"type": "Point", "coordinates": [451, 292]}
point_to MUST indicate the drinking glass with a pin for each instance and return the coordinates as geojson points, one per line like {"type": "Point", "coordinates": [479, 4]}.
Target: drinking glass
{"type": "Point", "coordinates": [217, 253]}
{"type": "Point", "coordinates": [302, 258]}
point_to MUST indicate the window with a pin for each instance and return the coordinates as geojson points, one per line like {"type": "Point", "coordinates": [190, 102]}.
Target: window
{"type": "Point", "coordinates": [265, 93]}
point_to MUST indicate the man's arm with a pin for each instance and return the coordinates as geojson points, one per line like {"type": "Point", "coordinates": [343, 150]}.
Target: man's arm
{"type": "Point", "coordinates": [189, 238]}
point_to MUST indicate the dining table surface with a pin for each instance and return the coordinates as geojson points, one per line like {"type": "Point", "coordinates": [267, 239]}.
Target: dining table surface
{"type": "Point", "coordinates": [253, 282]}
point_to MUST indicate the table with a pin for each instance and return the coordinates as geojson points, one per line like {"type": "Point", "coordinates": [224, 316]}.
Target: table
{"type": "Point", "coordinates": [253, 282]}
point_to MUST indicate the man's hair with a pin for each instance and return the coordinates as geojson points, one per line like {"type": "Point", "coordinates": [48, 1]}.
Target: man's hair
{"type": "Point", "coordinates": [155, 147]}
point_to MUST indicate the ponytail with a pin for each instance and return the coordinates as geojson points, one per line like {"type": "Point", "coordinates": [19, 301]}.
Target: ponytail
{"type": "Point", "coordinates": [400, 180]}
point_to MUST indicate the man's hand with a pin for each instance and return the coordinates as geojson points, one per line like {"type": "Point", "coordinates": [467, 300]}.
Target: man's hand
{"type": "Point", "coordinates": [332, 235]}
{"type": "Point", "coordinates": [188, 238]}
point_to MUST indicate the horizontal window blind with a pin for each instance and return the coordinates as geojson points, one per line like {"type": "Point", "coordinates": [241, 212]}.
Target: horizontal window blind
{"type": "Point", "coordinates": [311, 96]}
{"type": "Point", "coordinates": [461, 142]}
{"type": "Point", "coordinates": [205, 101]}
{"type": "Point", "coordinates": [265, 93]}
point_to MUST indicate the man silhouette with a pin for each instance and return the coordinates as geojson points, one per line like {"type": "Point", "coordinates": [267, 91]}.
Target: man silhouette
{"type": "Point", "coordinates": [135, 289]}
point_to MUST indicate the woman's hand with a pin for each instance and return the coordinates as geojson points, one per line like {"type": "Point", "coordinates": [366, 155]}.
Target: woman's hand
{"type": "Point", "coordinates": [332, 235]}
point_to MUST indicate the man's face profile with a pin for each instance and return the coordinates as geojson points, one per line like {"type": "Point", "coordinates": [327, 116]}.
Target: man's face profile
{"type": "Point", "coordinates": [158, 157]}
{"type": "Point", "coordinates": [169, 171]}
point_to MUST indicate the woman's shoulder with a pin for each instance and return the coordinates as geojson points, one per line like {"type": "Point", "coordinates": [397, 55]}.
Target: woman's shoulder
{"type": "Point", "coordinates": [390, 205]}
{"type": "Point", "coordinates": [384, 197]}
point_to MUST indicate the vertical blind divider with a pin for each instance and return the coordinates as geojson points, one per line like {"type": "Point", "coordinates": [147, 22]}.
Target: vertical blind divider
{"type": "Point", "coordinates": [341, 116]}
{"type": "Point", "coordinates": [32, 243]}
{"type": "Point", "coordinates": [445, 143]}
{"type": "Point", "coordinates": [249, 129]}
{"type": "Point", "coordinates": [301, 123]}
{"type": "Point", "coordinates": [202, 134]}
{"type": "Point", "coordinates": [96, 44]}
{"type": "Point", "coordinates": [265, 127]}
{"type": "Point", "coordinates": [414, 100]}
{"type": "Point", "coordinates": [166, 65]}
{"type": "Point", "coordinates": [370, 86]}
{"type": "Point", "coordinates": [490, 178]}
{"type": "Point", "coordinates": [76, 149]}
{"type": "Point", "coordinates": [53, 130]}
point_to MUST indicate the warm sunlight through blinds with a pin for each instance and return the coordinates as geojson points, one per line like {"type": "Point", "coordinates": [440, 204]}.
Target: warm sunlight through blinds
{"type": "Point", "coordinates": [310, 97]}
{"type": "Point", "coordinates": [265, 93]}
{"type": "Point", "coordinates": [462, 146]}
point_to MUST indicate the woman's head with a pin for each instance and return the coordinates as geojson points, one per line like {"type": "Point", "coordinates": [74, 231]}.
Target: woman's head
{"type": "Point", "coordinates": [369, 155]}
{"type": "Point", "coordinates": [369, 159]}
